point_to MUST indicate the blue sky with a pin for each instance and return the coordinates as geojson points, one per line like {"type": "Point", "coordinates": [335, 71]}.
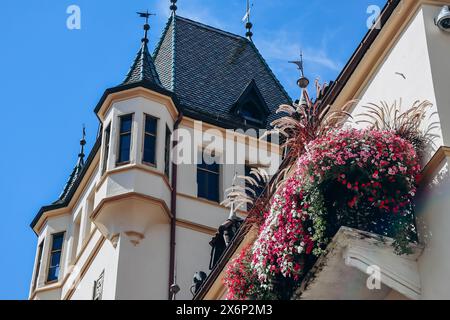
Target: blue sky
{"type": "Point", "coordinates": [51, 79]}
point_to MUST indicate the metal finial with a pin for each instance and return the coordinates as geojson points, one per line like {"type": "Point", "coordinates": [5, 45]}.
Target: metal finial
{"type": "Point", "coordinates": [303, 82]}
{"type": "Point", "coordinates": [246, 19]}
{"type": "Point", "coordinates": [82, 144]}
{"type": "Point", "coordinates": [173, 6]}
{"type": "Point", "coordinates": [145, 15]}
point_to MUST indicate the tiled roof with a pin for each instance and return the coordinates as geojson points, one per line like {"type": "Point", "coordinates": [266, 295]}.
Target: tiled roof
{"type": "Point", "coordinates": [208, 69]}
{"type": "Point", "coordinates": [143, 68]}
{"type": "Point", "coordinates": [205, 70]}
{"type": "Point", "coordinates": [70, 183]}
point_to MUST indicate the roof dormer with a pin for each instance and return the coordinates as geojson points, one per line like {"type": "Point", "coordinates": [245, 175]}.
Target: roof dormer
{"type": "Point", "coordinates": [251, 106]}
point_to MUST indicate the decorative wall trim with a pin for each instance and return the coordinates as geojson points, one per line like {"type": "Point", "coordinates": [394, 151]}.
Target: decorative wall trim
{"type": "Point", "coordinates": [131, 195]}
{"type": "Point", "coordinates": [141, 167]}
{"type": "Point", "coordinates": [208, 202]}
{"type": "Point", "coordinates": [433, 166]}
{"type": "Point", "coordinates": [136, 93]}
{"type": "Point", "coordinates": [248, 140]}
{"type": "Point", "coordinates": [196, 227]}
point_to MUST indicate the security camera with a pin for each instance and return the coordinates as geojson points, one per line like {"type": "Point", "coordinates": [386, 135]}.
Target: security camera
{"type": "Point", "coordinates": [442, 20]}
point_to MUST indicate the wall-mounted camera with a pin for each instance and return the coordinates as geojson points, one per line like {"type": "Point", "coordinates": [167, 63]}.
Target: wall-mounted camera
{"type": "Point", "coordinates": [442, 20]}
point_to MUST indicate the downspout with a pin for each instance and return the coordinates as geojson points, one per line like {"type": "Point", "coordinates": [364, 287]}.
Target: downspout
{"type": "Point", "coordinates": [173, 206]}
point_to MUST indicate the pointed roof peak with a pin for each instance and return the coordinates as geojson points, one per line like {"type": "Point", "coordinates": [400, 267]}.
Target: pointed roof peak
{"type": "Point", "coordinates": [143, 68]}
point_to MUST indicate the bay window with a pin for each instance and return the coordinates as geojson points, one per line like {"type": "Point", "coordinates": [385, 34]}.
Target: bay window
{"type": "Point", "coordinates": [55, 257]}
{"type": "Point", "coordinates": [126, 124]}
{"type": "Point", "coordinates": [150, 128]}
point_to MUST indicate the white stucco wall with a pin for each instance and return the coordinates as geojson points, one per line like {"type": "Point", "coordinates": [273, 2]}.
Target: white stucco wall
{"type": "Point", "coordinates": [143, 270]}
{"type": "Point", "coordinates": [409, 56]}
{"type": "Point", "coordinates": [433, 216]}
{"type": "Point", "coordinates": [192, 255]}
{"type": "Point", "coordinates": [104, 261]}
{"type": "Point", "coordinates": [421, 54]}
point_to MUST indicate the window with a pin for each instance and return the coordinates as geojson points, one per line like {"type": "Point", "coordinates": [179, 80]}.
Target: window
{"type": "Point", "coordinates": [106, 149]}
{"type": "Point", "coordinates": [76, 236]}
{"type": "Point", "coordinates": [208, 181]}
{"type": "Point", "coordinates": [38, 264]}
{"type": "Point", "coordinates": [98, 287]}
{"type": "Point", "coordinates": [150, 140]}
{"type": "Point", "coordinates": [167, 152]}
{"type": "Point", "coordinates": [55, 257]}
{"type": "Point", "coordinates": [249, 111]}
{"type": "Point", "coordinates": [259, 189]}
{"type": "Point", "coordinates": [126, 123]}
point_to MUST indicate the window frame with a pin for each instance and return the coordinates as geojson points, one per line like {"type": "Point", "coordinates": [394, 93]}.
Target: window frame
{"type": "Point", "coordinates": [119, 136]}
{"type": "Point", "coordinates": [53, 235]}
{"type": "Point", "coordinates": [218, 174]}
{"type": "Point", "coordinates": [167, 151]}
{"type": "Point", "coordinates": [106, 148]}
{"type": "Point", "coordinates": [38, 265]}
{"type": "Point", "coordinates": [144, 135]}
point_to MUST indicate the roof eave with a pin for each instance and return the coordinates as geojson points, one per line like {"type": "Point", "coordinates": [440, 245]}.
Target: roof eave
{"type": "Point", "coordinates": [143, 84]}
{"type": "Point", "coordinates": [73, 189]}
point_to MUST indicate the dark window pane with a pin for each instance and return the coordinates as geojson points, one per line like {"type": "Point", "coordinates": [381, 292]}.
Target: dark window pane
{"type": "Point", "coordinates": [125, 123]}
{"type": "Point", "coordinates": [55, 259]}
{"type": "Point", "coordinates": [149, 149]}
{"type": "Point", "coordinates": [52, 274]}
{"type": "Point", "coordinates": [249, 111]}
{"type": "Point", "coordinates": [124, 151]}
{"type": "Point", "coordinates": [150, 125]}
{"type": "Point", "coordinates": [208, 185]}
{"type": "Point", "coordinates": [213, 187]}
{"type": "Point", "coordinates": [57, 242]}
{"type": "Point", "coordinates": [210, 167]}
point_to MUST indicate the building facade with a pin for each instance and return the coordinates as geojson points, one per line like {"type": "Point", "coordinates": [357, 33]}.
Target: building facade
{"type": "Point", "coordinates": [135, 220]}
{"type": "Point", "coordinates": [404, 60]}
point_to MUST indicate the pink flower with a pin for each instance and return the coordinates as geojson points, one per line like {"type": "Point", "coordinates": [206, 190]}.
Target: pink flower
{"type": "Point", "coordinates": [376, 175]}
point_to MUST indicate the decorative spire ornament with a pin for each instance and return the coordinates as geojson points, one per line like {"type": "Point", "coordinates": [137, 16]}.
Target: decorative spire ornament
{"type": "Point", "coordinates": [173, 7]}
{"type": "Point", "coordinates": [303, 82]}
{"type": "Point", "coordinates": [82, 144]}
{"type": "Point", "coordinates": [146, 15]}
{"type": "Point", "coordinates": [248, 24]}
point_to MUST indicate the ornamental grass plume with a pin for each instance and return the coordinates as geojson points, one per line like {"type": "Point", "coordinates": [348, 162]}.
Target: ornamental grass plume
{"type": "Point", "coordinates": [301, 124]}
{"type": "Point", "coordinates": [407, 125]}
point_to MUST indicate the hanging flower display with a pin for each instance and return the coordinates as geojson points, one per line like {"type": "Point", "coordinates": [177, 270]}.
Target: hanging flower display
{"type": "Point", "coordinates": [241, 279]}
{"type": "Point", "coordinates": [364, 179]}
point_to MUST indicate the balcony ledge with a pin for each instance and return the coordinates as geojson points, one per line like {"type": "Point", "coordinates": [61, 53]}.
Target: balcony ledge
{"type": "Point", "coordinates": [344, 271]}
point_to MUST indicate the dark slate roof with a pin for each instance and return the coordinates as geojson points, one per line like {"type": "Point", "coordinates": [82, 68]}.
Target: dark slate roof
{"type": "Point", "coordinates": [208, 69]}
{"type": "Point", "coordinates": [143, 68]}
{"type": "Point", "coordinates": [71, 186]}
{"type": "Point", "coordinates": [70, 183]}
